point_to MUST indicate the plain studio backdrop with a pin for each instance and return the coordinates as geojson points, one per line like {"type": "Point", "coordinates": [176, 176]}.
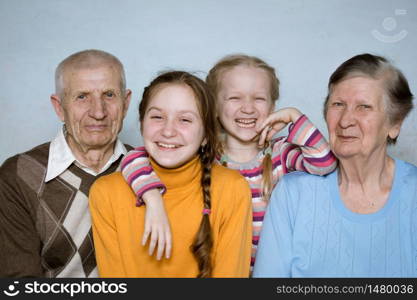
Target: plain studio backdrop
{"type": "Point", "coordinates": [304, 40]}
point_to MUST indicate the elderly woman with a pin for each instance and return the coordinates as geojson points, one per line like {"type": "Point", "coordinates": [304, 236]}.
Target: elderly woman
{"type": "Point", "coordinates": [361, 220]}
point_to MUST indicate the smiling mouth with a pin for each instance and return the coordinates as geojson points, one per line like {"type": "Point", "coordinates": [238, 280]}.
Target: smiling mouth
{"type": "Point", "coordinates": [165, 146]}
{"type": "Point", "coordinates": [246, 123]}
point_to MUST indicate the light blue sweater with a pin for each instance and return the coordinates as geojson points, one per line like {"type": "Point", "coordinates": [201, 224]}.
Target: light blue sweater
{"type": "Point", "coordinates": [308, 232]}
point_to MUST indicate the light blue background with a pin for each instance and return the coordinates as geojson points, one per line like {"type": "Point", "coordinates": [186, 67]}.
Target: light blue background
{"type": "Point", "coordinates": [304, 40]}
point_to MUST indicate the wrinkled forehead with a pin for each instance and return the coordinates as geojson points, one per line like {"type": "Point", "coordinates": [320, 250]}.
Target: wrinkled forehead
{"type": "Point", "coordinates": [359, 77]}
{"type": "Point", "coordinates": [358, 85]}
{"type": "Point", "coordinates": [104, 76]}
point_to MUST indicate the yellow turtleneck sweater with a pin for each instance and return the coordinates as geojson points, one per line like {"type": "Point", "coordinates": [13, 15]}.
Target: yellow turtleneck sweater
{"type": "Point", "coordinates": [118, 224]}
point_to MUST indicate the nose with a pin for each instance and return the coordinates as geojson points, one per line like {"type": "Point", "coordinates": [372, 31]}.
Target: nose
{"type": "Point", "coordinates": [347, 118]}
{"type": "Point", "coordinates": [247, 107]}
{"type": "Point", "coordinates": [98, 108]}
{"type": "Point", "coordinates": [168, 129]}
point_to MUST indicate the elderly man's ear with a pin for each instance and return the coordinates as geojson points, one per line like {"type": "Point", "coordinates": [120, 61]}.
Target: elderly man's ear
{"type": "Point", "coordinates": [57, 104]}
{"type": "Point", "coordinates": [128, 95]}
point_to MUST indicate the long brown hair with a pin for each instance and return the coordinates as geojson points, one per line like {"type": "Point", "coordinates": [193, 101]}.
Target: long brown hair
{"type": "Point", "coordinates": [214, 79]}
{"type": "Point", "coordinates": [203, 241]}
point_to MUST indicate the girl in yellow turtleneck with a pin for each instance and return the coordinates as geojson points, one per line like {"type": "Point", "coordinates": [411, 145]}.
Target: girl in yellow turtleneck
{"type": "Point", "coordinates": [208, 205]}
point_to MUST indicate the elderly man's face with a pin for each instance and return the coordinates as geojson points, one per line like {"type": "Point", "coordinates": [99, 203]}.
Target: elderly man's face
{"type": "Point", "coordinates": [92, 107]}
{"type": "Point", "coordinates": [357, 119]}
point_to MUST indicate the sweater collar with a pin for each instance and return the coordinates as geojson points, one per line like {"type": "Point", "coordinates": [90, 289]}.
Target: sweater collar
{"type": "Point", "coordinates": [187, 174]}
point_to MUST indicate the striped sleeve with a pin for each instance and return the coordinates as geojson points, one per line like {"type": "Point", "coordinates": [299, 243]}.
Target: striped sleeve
{"type": "Point", "coordinates": [139, 174]}
{"type": "Point", "coordinates": [304, 149]}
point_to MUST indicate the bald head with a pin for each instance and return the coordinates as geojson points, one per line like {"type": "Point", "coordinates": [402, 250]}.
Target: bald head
{"type": "Point", "coordinates": [87, 59]}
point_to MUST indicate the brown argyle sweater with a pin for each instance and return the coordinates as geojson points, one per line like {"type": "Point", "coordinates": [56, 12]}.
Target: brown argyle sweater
{"type": "Point", "coordinates": [45, 228]}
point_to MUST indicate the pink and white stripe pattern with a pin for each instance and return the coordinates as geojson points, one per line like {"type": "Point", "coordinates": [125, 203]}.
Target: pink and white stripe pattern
{"type": "Point", "coordinates": [304, 149]}
{"type": "Point", "coordinates": [138, 173]}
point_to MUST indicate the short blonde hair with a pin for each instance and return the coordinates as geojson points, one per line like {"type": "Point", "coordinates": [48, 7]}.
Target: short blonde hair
{"type": "Point", "coordinates": [213, 79]}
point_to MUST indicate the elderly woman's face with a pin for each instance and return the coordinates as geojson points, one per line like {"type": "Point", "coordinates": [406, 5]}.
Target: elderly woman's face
{"type": "Point", "coordinates": [356, 118]}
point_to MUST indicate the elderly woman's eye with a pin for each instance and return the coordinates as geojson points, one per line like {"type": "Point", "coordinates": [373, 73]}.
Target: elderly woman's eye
{"type": "Point", "coordinates": [337, 104]}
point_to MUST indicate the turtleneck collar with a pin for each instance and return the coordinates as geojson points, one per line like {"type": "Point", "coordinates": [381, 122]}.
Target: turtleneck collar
{"type": "Point", "coordinates": [180, 177]}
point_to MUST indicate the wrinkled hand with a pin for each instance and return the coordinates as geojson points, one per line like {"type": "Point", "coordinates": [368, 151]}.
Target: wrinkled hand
{"type": "Point", "coordinates": [275, 122]}
{"type": "Point", "coordinates": [156, 225]}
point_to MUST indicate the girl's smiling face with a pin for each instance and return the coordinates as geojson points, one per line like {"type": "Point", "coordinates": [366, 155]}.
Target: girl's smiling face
{"type": "Point", "coordinates": [244, 100]}
{"type": "Point", "coordinates": [172, 127]}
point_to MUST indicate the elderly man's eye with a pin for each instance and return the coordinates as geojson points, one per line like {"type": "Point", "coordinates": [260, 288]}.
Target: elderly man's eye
{"type": "Point", "coordinates": [109, 94]}
{"type": "Point", "coordinates": [81, 97]}
{"type": "Point", "coordinates": [337, 104]}
{"type": "Point", "coordinates": [365, 106]}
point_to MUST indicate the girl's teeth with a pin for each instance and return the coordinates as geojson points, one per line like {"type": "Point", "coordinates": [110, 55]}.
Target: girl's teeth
{"type": "Point", "coordinates": [166, 145]}
{"type": "Point", "coordinates": [245, 123]}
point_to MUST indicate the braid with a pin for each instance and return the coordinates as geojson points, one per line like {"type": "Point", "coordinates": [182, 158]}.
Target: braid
{"type": "Point", "coordinates": [203, 242]}
{"type": "Point", "coordinates": [214, 82]}
{"type": "Point", "coordinates": [266, 177]}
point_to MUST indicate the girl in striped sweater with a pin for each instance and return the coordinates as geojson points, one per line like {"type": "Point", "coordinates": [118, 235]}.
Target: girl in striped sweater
{"type": "Point", "coordinates": [246, 89]}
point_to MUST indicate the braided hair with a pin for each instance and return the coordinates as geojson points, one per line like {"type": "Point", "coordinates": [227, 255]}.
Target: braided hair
{"type": "Point", "coordinates": [203, 241]}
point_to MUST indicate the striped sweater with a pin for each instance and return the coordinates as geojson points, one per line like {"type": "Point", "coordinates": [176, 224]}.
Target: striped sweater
{"type": "Point", "coordinates": [304, 149]}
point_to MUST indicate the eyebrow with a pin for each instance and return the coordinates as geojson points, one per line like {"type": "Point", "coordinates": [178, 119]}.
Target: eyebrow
{"type": "Point", "coordinates": [87, 91]}
{"type": "Point", "coordinates": [181, 111]}
{"type": "Point", "coordinates": [237, 92]}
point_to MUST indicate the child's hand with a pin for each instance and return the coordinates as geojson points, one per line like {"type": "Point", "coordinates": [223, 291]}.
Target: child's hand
{"type": "Point", "coordinates": [156, 225]}
{"type": "Point", "coordinates": [276, 122]}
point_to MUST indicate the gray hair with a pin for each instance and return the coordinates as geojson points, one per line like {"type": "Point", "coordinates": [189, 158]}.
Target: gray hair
{"type": "Point", "coordinates": [87, 59]}
{"type": "Point", "coordinates": [397, 95]}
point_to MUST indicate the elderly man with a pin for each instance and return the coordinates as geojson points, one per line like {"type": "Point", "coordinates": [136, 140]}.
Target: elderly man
{"type": "Point", "coordinates": [45, 226]}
